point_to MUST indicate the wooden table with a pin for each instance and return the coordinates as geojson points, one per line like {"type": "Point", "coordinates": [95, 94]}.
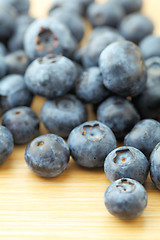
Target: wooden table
{"type": "Point", "coordinates": [71, 205]}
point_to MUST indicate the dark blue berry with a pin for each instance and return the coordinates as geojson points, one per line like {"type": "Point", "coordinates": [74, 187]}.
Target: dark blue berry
{"type": "Point", "coordinates": [129, 6]}
{"type": "Point", "coordinates": [50, 76]}
{"type": "Point", "coordinates": [47, 155]}
{"type": "Point", "coordinates": [3, 67]}
{"type": "Point", "coordinates": [75, 26]}
{"type": "Point", "coordinates": [46, 36]}
{"type": "Point", "coordinates": [14, 93]}
{"type": "Point", "coordinates": [145, 136]}
{"type": "Point", "coordinates": [150, 46]}
{"type": "Point", "coordinates": [135, 27]}
{"type": "Point", "coordinates": [63, 114]}
{"type": "Point", "coordinates": [155, 166]}
{"type": "Point", "coordinates": [125, 198]}
{"type": "Point", "coordinates": [118, 114]}
{"type": "Point", "coordinates": [97, 44]}
{"type": "Point", "coordinates": [16, 62]}
{"type": "Point", "coordinates": [23, 124]}
{"type": "Point", "coordinates": [148, 102]}
{"type": "Point", "coordinates": [126, 162]}
{"type": "Point", "coordinates": [6, 144]}
{"type": "Point", "coordinates": [90, 143]}
{"type": "Point", "coordinates": [102, 14]}
{"type": "Point", "coordinates": [123, 68]}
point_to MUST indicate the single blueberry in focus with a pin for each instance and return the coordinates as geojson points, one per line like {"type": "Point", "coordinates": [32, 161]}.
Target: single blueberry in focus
{"type": "Point", "coordinates": [23, 124]}
{"type": "Point", "coordinates": [51, 76]}
{"type": "Point", "coordinates": [126, 162]}
{"type": "Point", "coordinates": [47, 155]}
{"type": "Point", "coordinates": [123, 68]}
{"type": "Point", "coordinates": [90, 143]}
{"type": "Point", "coordinates": [126, 198]}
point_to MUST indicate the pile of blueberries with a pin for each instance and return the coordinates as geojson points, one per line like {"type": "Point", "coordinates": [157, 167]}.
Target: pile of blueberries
{"type": "Point", "coordinates": [117, 71]}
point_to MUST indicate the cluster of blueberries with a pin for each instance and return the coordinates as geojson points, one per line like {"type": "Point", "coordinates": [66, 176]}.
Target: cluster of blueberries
{"type": "Point", "coordinates": [117, 72]}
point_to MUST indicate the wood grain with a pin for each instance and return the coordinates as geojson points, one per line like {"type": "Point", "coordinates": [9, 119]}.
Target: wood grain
{"type": "Point", "coordinates": [71, 205]}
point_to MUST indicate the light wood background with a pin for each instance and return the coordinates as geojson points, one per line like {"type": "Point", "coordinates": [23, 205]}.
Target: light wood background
{"type": "Point", "coordinates": [71, 205]}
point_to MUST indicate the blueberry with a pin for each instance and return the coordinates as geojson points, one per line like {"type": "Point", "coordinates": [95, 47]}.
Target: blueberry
{"type": "Point", "coordinates": [3, 49]}
{"type": "Point", "coordinates": [129, 5]}
{"type": "Point", "coordinates": [50, 76]}
{"type": "Point", "coordinates": [16, 62]}
{"type": "Point", "coordinates": [155, 166]}
{"type": "Point", "coordinates": [135, 27]}
{"type": "Point", "coordinates": [14, 93]}
{"type": "Point", "coordinates": [76, 27]}
{"type": "Point", "coordinates": [21, 6]}
{"type": "Point", "coordinates": [6, 144]}
{"type": "Point", "coordinates": [145, 136]}
{"type": "Point", "coordinates": [45, 36]}
{"type": "Point", "coordinates": [150, 109]}
{"type": "Point", "coordinates": [150, 46]}
{"type": "Point", "coordinates": [101, 14]}
{"type": "Point", "coordinates": [63, 114]}
{"type": "Point", "coordinates": [118, 114]}
{"type": "Point", "coordinates": [7, 19]}
{"type": "Point", "coordinates": [89, 87]}
{"type": "Point", "coordinates": [123, 68]}
{"type": "Point", "coordinates": [47, 155]}
{"type": "Point", "coordinates": [125, 198]}
{"type": "Point", "coordinates": [126, 162]}
{"type": "Point", "coordinates": [97, 45]}
{"type": "Point", "coordinates": [71, 5]}
{"type": "Point", "coordinates": [101, 30]}
{"type": "Point", "coordinates": [23, 124]}
{"type": "Point", "coordinates": [90, 143]}
{"type": "Point", "coordinates": [16, 40]}
{"type": "Point", "coordinates": [3, 67]}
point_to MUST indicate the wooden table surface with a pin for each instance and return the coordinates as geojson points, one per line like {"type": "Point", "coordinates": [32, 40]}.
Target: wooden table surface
{"type": "Point", "coordinates": [70, 206]}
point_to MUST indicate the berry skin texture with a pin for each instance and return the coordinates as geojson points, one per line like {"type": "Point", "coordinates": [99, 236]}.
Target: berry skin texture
{"type": "Point", "coordinates": [89, 87]}
{"type": "Point", "coordinates": [126, 162]}
{"type": "Point", "coordinates": [50, 76]}
{"type": "Point", "coordinates": [126, 199]}
{"type": "Point", "coordinates": [47, 155]}
{"type": "Point", "coordinates": [90, 143]}
{"type": "Point", "coordinates": [23, 124]}
{"type": "Point", "coordinates": [14, 93]}
{"type": "Point", "coordinates": [150, 46]}
{"type": "Point", "coordinates": [48, 36]}
{"type": "Point", "coordinates": [118, 114]}
{"type": "Point", "coordinates": [155, 166]}
{"type": "Point", "coordinates": [123, 68]}
{"type": "Point", "coordinates": [6, 144]}
{"type": "Point", "coordinates": [134, 27]}
{"type": "Point", "coordinates": [144, 136]}
{"type": "Point", "coordinates": [150, 109]}
{"type": "Point", "coordinates": [63, 114]}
